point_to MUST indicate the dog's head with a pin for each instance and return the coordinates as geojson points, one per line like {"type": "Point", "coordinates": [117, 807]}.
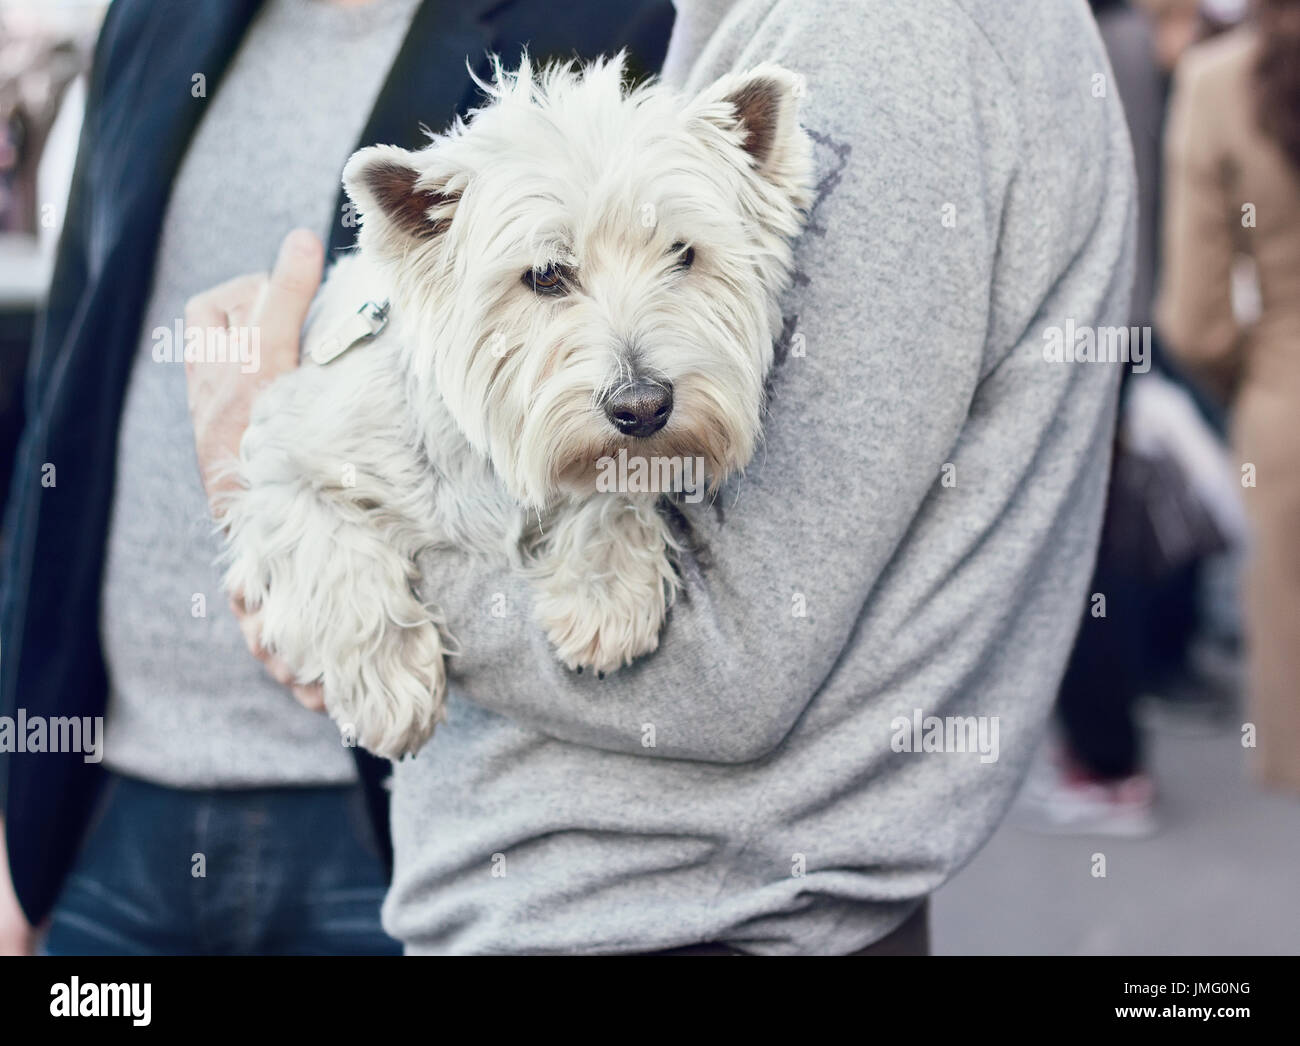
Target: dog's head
{"type": "Point", "coordinates": [589, 268]}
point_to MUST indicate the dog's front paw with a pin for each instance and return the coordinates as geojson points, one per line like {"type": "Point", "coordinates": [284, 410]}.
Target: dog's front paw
{"type": "Point", "coordinates": [603, 590]}
{"type": "Point", "coordinates": [389, 698]}
{"type": "Point", "coordinates": [599, 635]}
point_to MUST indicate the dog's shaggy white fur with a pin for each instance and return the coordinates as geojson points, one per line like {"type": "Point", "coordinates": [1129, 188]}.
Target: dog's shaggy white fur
{"type": "Point", "coordinates": [576, 263]}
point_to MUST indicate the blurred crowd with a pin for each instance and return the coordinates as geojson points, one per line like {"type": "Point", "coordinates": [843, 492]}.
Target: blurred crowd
{"type": "Point", "coordinates": [44, 50]}
{"type": "Point", "coordinates": [1197, 587]}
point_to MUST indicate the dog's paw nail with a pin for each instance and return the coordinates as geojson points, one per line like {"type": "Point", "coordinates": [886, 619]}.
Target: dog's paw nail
{"type": "Point", "coordinates": [578, 670]}
{"type": "Point", "coordinates": [600, 675]}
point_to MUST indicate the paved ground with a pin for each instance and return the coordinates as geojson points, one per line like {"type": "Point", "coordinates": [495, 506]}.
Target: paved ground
{"type": "Point", "coordinates": [1221, 878]}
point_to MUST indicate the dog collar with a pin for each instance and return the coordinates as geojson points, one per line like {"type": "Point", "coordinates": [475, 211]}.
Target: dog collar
{"type": "Point", "coordinates": [363, 325]}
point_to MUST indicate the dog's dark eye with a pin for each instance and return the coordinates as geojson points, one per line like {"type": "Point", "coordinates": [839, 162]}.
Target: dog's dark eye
{"type": "Point", "coordinates": [685, 254]}
{"type": "Point", "coordinates": [549, 280]}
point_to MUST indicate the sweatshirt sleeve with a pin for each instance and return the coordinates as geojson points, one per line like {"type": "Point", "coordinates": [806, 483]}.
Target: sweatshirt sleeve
{"type": "Point", "coordinates": [929, 492]}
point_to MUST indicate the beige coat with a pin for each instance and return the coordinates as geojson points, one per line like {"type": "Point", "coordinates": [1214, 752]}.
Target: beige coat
{"type": "Point", "coordinates": [1231, 190]}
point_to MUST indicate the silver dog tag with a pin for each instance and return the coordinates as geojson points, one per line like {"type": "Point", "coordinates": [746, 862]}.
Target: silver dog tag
{"type": "Point", "coordinates": [363, 325]}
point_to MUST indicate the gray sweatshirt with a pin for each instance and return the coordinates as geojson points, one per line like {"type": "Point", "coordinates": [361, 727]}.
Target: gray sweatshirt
{"type": "Point", "coordinates": [848, 691]}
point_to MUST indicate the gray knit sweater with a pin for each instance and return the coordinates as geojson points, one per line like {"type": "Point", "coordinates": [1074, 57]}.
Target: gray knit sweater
{"type": "Point", "coordinates": [913, 542]}
{"type": "Point", "coordinates": [188, 705]}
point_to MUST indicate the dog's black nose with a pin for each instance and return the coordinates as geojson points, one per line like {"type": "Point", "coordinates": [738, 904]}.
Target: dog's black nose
{"type": "Point", "coordinates": [641, 408]}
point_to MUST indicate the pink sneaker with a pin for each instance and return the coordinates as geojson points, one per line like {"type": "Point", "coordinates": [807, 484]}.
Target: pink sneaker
{"type": "Point", "coordinates": [1059, 798]}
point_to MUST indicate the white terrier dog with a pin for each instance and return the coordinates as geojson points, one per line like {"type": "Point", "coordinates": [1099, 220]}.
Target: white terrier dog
{"type": "Point", "coordinates": [580, 269]}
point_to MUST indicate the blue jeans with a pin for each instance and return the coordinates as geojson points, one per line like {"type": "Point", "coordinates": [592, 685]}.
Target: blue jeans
{"type": "Point", "coordinates": [270, 871]}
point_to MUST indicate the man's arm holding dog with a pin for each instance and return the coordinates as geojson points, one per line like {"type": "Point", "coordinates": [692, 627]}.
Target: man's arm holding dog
{"type": "Point", "coordinates": [930, 484]}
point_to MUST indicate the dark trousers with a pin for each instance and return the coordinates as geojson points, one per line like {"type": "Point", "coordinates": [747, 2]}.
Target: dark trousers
{"type": "Point", "coordinates": [271, 871]}
{"type": "Point", "coordinates": [1140, 643]}
{"type": "Point", "coordinates": [1103, 679]}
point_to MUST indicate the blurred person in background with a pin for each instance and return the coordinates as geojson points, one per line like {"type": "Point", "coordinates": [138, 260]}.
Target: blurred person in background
{"type": "Point", "coordinates": [1163, 619]}
{"type": "Point", "coordinates": [1218, 16]}
{"type": "Point", "coordinates": [1176, 24]}
{"type": "Point", "coordinates": [1093, 779]}
{"type": "Point", "coordinates": [1129, 37]}
{"type": "Point", "coordinates": [37, 66]}
{"type": "Point", "coordinates": [1232, 190]}
{"type": "Point", "coordinates": [42, 59]}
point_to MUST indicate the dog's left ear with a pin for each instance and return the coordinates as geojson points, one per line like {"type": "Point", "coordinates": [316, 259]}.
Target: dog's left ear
{"type": "Point", "coordinates": [395, 187]}
{"type": "Point", "coordinates": [763, 104]}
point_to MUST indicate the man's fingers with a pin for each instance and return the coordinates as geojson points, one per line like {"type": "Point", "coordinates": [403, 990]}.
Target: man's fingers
{"type": "Point", "coordinates": [311, 696]}
{"type": "Point", "coordinates": [275, 305]}
{"type": "Point", "coordinates": [213, 307]}
{"type": "Point", "coordinates": [252, 634]}
{"type": "Point", "coordinates": [279, 669]}
{"type": "Point", "coordinates": [275, 664]}
{"type": "Point", "coordinates": [282, 309]}
{"type": "Point", "coordinates": [214, 311]}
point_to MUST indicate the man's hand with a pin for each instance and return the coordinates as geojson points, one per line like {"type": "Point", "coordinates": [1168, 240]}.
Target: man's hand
{"type": "Point", "coordinates": [16, 934]}
{"type": "Point", "coordinates": [271, 308]}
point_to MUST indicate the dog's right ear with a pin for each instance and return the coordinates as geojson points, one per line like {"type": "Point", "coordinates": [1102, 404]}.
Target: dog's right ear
{"type": "Point", "coordinates": [762, 105]}
{"type": "Point", "coordinates": [391, 185]}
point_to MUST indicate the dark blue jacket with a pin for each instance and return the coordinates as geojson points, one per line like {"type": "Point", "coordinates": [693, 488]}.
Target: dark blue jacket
{"type": "Point", "coordinates": [139, 119]}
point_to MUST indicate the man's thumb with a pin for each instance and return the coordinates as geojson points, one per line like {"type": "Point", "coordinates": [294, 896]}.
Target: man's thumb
{"type": "Point", "coordinates": [289, 291]}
